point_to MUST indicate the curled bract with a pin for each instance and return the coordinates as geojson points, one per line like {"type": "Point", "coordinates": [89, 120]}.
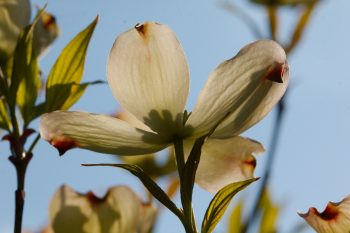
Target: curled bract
{"type": "Point", "coordinates": [335, 218]}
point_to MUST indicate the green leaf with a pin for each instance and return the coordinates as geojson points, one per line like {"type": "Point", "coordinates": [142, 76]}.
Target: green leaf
{"type": "Point", "coordinates": [235, 221]}
{"type": "Point", "coordinates": [28, 91]}
{"type": "Point", "coordinates": [77, 90]}
{"type": "Point", "coordinates": [30, 85]}
{"type": "Point", "coordinates": [25, 80]}
{"type": "Point", "coordinates": [6, 68]}
{"type": "Point", "coordinates": [21, 63]}
{"type": "Point", "coordinates": [3, 86]}
{"type": "Point", "coordinates": [149, 164]}
{"type": "Point", "coordinates": [4, 116]}
{"type": "Point", "coordinates": [63, 87]}
{"type": "Point", "coordinates": [67, 94]}
{"type": "Point", "coordinates": [270, 213]}
{"type": "Point", "coordinates": [36, 111]}
{"type": "Point", "coordinates": [220, 202]}
{"type": "Point", "coordinates": [152, 186]}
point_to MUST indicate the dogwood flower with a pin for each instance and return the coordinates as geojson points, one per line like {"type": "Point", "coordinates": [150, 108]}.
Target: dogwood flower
{"type": "Point", "coordinates": [14, 16]}
{"type": "Point", "coordinates": [149, 76]}
{"type": "Point", "coordinates": [335, 218]}
{"type": "Point", "coordinates": [120, 210]}
{"type": "Point", "coordinates": [45, 32]}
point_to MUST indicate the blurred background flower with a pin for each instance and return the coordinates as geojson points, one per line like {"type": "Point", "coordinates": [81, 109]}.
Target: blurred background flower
{"type": "Point", "coordinates": [120, 210]}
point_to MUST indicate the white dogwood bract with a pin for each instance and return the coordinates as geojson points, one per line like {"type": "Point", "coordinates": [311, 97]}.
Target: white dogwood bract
{"type": "Point", "coordinates": [225, 161]}
{"type": "Point", "coordinates": [148, 74]}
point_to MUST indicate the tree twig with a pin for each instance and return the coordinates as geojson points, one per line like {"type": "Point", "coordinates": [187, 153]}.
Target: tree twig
{"type": "Point", "coordinates": [269, 163]}
{"type": "Point", "coordinates": [21, 164]}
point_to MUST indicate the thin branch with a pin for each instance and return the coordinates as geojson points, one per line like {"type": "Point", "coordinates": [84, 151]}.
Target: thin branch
{"type": "Point", "coordinates": [242, 15]}
{"type": "Point", "coordinates": [301, 25]}
{"type": "Point", "coordinates": [269, 164]}
{"type": "Point", "coordinates": [21, 164]}
{"type": "Point", "coordinates": [34, 143]}
{"type": "Point", "coordinates": [273, 21]}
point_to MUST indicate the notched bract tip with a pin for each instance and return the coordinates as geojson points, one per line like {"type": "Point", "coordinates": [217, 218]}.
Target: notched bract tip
{"type": "Point", "coordinates": [251, 162]}
{"type": "Point", "coordinates": [277, 72]}
{"type": "Point", "coordinates": [63, 145]}
{"type": "Point", "coordinates": [48, 21]}
{"type": "Point", "coordinates": [142, 28]}
{"type": "Point", "coordinates": [95, 200]}
{"type": "Point", "coordinates": [330, 213]}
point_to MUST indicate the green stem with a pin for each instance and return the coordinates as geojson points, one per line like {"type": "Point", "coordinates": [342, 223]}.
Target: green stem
{"type": "Point", "coordinates": [179, 155]}
{"type": "Point", "coordinates": [189, 221]}
{"type": "Point", "coordinates": [16, 147]}
{"type": "Point", "coordinates": [18, 158]}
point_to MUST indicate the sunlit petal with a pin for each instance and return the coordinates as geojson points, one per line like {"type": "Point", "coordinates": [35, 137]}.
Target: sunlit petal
{"type": "Point", "coordinates": [245, 87]}
{"type": "Point", "coordinates": [100, 133]}
{"type": "Point", "coordinates": [148, 73]}
{"type": "Point", "coordinates": [335, 218]}
{"type": "Point", "coordinates": [120, 210]}
{"type": "Point", "coordinates": [14, 16]}
{"type": "Point", "coordinates": [224, 161]}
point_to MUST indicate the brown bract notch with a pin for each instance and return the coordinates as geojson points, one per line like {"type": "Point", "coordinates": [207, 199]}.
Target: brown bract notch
{"type": "Point", "coordinates": [251, 162]}
{"type": "Point", "coordinates": [49, 21]}
{"type": "Point", "coordinates": [64, 144]}
{"type": "Point", "coordinates": [275, 74]}
{"type": "Point", "coordinates": [330, 213]}
{"type": "Point", "coordinates": [95, 200]}
{"type": "Point", "coordinates": [142, 29]}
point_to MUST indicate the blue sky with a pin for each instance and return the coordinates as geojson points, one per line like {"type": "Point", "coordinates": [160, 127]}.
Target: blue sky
{"type": "Point", "coordinates": [312, 166]}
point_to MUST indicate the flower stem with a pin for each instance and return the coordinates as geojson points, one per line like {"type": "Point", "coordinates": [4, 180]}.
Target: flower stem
{"type": "Point", "coordinates": [20, 163]}
{"type": "Point", "coordinates": [189, 221]}
{"type": "Point", "coordinates": [179, 155]}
